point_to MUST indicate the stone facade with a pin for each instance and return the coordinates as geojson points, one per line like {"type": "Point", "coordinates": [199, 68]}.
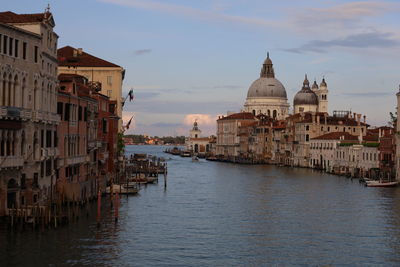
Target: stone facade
{"type": "Point", "coordinates": [28, 93]}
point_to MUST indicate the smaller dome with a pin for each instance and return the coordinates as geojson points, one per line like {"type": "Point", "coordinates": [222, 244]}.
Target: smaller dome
{"type": "Point", "coordinates": [305, 96]}
{"type": "Point", "coordinates": [323, 83]}
{"type": "Point", "coordinates": [315, 85]}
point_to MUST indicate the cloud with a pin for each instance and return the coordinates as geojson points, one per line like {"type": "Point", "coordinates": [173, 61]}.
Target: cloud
{"type": "Point", "coordinates": [202, 119]}
{"type": "Point", "coordinates": [142, 52]}
{"type": "Point", "coordinates": [196, 13]}
{"type": "Point", "coordinates": [369, 94]}
{"type": "Point", "coordinates": [165, 124]}
{"type": "Point", "coordinates": [183, 107]}
{"type": "Point", "coordinates": [228, 87]}
{"type": "Point", "coordinates": [359, 41]}
{"type": "Point", "coordinates": [146, 95]}
{"type": "Point", "coordinates": [343, 15]}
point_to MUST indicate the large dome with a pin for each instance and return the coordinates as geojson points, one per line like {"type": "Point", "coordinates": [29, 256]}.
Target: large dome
{"type": "Point", "coordinates": [267, 87]}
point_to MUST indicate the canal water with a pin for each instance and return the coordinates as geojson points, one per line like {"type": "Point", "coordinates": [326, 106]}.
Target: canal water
{"type": "Point", "coordinates": [221, 214]}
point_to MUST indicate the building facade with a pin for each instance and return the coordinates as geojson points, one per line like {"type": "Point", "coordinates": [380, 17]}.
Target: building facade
{"type": "Point", "coordinates": [28, 118]}
{"type": "Point", "coordinates": [106, 75]}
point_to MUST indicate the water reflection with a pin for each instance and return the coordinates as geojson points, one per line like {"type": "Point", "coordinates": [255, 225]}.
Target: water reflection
{"type": "Point", "coordinates": [223, 214]}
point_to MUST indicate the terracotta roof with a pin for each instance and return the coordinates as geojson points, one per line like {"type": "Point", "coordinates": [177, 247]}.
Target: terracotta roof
{"type": "Point", "coordinates": [239, 116]}
{"type": "Point", "coordinates": [330, 120]}
{"type": "Point", "coordinates": [336, 136]}
{"type": "Point", "coordinates": [67, 57]}
{"type": "Point", "coordinates": [11, 17]}
{"type": "Point", "coordinates": [69, 76]}
{"type": "Point", "coordinates": [371, 137]}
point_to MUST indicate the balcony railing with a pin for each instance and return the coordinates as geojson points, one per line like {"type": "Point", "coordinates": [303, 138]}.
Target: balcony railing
{"type": "Point", "coordinates": [11, 162]}
{"type": "Point", "coordinates": [76, 159]}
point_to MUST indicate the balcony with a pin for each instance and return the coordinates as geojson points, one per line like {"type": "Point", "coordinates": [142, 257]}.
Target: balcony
{"type": "Point", "coordinates": [15, 113]}
{"type": "Point", "coordinates": [45, 116]}
{"type": "Point", "coordinates": [49, 152]}
{"type": "Point", "coordinates": [11, 162]}
{"type": "Point", "coordinates": [76, 160]}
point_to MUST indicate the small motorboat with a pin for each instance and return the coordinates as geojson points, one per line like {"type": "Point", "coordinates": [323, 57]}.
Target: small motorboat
{"type": "Point", "coordinates": [121, 189]}
{"type": "Point", "coordinates": [381, 183]}
{"type": "Point", "coordinates": [194, 158]}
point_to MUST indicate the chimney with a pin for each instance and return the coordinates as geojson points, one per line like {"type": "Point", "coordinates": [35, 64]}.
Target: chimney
{"type": "Point", "coordinates": [80, 50]}
{"type": "Point", "coordinates": [358, 119]}
{"type": "Point", "coordinates": [354, 115]}
{"type": "Point", "coordinates": [75, 53]}
{"type": "Point", "coordinates": [365, 119]}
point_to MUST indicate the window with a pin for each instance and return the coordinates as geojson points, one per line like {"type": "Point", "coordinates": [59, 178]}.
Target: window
{"type": "Point", "coordinates": [104, 126]}
{"type": "Point", "coordinates": [109, 80]}
{"type": "Point", "coordinates": [307, 127]}
{"type": "Point", "coordinates": [35, 58]}
{"type": "Point", "coordinates": [80, 113]}
{"type": "Point", "coordinates": [23, 181]}
{"type": "Point", "coordinates": [48, 138]}
{"type": "Point", "coordinates": [10, 47]}
{"type": "Point", "coordinates": [24, 47]}
{"type": "Point", "coordinates": [5, 41]}
{"type": "Point", "coordinates": [55, 139]}
{"type": "Point", "coordinates": [66, 113]}
{"type": "Point", "coordinates": [16, 44]}
{"type": "Point", "coordinates": [60, 106]}
{"type": "Point", "coordinates": [85, 114]}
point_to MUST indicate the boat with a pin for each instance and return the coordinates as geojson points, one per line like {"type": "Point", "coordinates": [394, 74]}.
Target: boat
{"type": "Point", "coordinates": [121, 189]}
{"type": "Point", "coordinates": [194, 158]}
{"type": "Point", "coordinates": [185, 154]}
{"type": "Point", "coordinates": [381, 183]}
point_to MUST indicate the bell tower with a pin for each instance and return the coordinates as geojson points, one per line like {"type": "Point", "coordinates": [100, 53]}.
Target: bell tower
{"type": "Point", "coordinates": [322, 94]}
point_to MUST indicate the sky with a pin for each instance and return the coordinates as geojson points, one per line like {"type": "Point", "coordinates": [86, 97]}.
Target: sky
{"type": "Point", "coordinates": [192, 60]}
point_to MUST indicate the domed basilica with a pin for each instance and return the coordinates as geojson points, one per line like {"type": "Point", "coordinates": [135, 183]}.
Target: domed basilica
{"type": "Point", "coordinates": [267, 95]}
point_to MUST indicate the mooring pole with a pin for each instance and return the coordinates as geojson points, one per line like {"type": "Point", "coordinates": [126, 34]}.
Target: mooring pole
{"type": "Point", "coordinates": [98, 208]}
{"type": "Point", "coordinates": [116, 207]}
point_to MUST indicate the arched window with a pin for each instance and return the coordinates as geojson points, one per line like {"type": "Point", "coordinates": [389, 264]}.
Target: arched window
{"type": "Point", "coordinates": [9, 91]}
{"type": "Point", "coordinates": [254, 112]}
{"type": "Point", "coordinates": [23, 93]}
{"type": "Point", "coordinates": [15, 92]}
{"type": "Point", "coordinates": [23, 144]}
{"type": "Point", "coordinates": [196, 148]}
{"type": "Point", "coordinates": [35, 95]}
{"type": "Point", "coordinates": [269, 113]}
{"type": "Point", "coordinates": [307, 138]}
{"type": "Point", "coordinates": [274, 114]}
{"type": "Point", "coordinates": [3, 90]}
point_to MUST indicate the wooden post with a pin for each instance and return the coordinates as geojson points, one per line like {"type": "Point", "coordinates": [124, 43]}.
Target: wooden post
{"type": "Point", "coordinates": [116, 207]}
{"type": "Point", "coordinates": [98, 208]}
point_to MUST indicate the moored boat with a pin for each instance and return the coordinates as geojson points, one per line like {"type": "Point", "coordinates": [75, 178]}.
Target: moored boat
{"type": "Point", "coordinates": [121, 189]}
{"type": "Point", "coordinates": [381, 183]}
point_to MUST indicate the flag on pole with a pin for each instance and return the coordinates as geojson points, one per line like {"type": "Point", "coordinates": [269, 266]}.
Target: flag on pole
{"type": "Point", "coordinates": [131, 96]}
{"type": "Point", "coordinates": [129, 123]}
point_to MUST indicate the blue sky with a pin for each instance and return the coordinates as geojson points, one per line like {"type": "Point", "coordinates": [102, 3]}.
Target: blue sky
{"type": "Point", "coordinates": [190, 59]}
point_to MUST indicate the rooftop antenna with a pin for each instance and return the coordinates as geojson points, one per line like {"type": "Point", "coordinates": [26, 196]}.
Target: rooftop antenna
{"type": "Point", "coordinates": [47, 10]}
